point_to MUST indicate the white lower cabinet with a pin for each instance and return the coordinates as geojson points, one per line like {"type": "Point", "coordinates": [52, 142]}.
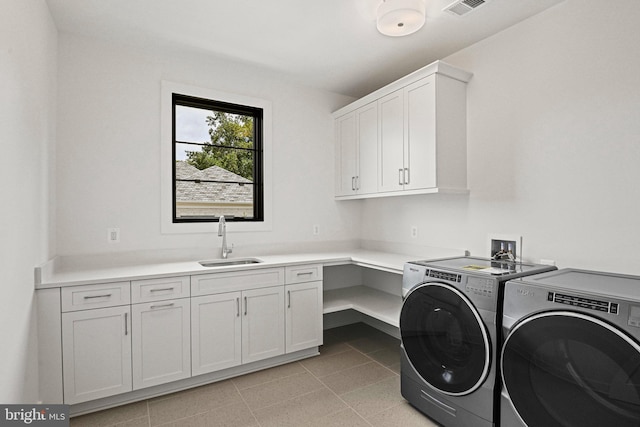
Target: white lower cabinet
{"type": "Point", "coordinates": [216, 332]}
{"type": "Point", "coordinates": [96, 345]}
{"type": "Point", "coordinates": [125, 336]}
{"type": "Point", "coordinates": [236, 327]}
{"type": "Point", "coordinates": [303, 316]}
{"type": "Point", "coordinates": [262, 323]}
{"type": "Point", "coordinates": [161, 341]}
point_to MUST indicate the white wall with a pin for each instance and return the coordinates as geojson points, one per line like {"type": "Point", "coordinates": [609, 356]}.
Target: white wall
{"type": "Point", "coordinates": [553, 144]}
{"type": "Point", "coordinates": [108, 156]}
{"type": "Point", "coordinates": [28, 44]}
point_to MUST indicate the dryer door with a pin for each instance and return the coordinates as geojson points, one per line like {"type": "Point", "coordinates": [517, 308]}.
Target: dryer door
{"type": "Point", "coordinates": [445, 339]}
{"type": "Point", "coordinates": [566, 368]}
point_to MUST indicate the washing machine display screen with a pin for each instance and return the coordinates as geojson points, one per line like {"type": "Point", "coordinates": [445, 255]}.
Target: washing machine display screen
{"type": "Point", "coordinates": [444, 339]}
{"type": "Point", "coordinates": [570, 369]}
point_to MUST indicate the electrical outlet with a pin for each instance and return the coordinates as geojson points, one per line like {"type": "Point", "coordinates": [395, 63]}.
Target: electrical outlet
{"type": "Point", "coordinates": [316, 229]}
{"type": "Point", "coordinates": [113, 235]}
{"type": "Point", "coordinates": [414, 231]}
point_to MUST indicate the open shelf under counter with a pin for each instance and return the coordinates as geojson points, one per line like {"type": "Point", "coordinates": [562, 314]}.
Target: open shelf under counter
{"type": "Point", "coordinates": [372, 302]}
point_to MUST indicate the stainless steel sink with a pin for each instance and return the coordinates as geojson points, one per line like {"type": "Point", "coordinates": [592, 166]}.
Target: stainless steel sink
{"type": "Point", "coordinates": [228, 262]}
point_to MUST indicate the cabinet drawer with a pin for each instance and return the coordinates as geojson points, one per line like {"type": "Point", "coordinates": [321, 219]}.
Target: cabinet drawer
{"type": "Point", "coordinates": [217, 283]}
{"type": "Point", "coordinates": [95, 296]}
{"type": "Point", "coordinates": [150, 290]}
{"type": "Point", "coordinates": [303, 273]}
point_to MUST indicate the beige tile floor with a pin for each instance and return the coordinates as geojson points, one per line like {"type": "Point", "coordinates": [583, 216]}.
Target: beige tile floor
{"type": "Point", "coordinates": [353, 382]}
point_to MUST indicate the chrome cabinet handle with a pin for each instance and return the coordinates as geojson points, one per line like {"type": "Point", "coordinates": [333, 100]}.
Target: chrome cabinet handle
{"type": "Point", "coordinates": [245, 306]}
{"type": "Point", "coordinates": [126, 324]}
{"type": "Point", "coordinates": [97, 296]}
{"type": "Point", "coordinates": [289, 297]}
{"type": "Point", "coordinates": [353, 183]}
{"type": "Point", "coordinates": [406, 175]}
{"type": "Point", "coordinates": [400, 176]}
{"type": "Point", "coordinates": [161, 289]}
{"type": "Point", "coordinates": [238, 307]}
{"type": "Point", "coordinates": [171, 304]}
{"type": "Point", "coordinates": [305, 273]}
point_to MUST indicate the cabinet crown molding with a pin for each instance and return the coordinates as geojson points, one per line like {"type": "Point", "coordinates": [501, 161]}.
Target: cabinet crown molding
{"type": "Point", "coordinates": [437, 67]}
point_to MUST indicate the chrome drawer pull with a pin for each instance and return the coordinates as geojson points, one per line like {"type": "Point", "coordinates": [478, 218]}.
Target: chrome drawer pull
{"type": "Point", "coordinates": [97, 296]}
{"type": "Point", "coordinates": [305, 273]}
{"type": "Point", "coordinates": [161, 289]}
{"type": "Point", "coordinates": [171, 304]}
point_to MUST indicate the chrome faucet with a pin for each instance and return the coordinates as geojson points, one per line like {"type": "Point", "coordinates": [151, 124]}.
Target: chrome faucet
{"type": "Point", "coordinates": [222, 232]}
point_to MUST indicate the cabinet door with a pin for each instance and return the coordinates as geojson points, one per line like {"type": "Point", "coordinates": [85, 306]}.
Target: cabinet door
{"type": "Point", "coordinates": [366, 178]}
{"type": "Point", "coordinates": [161, 342]}
{"type": "Point", "coordinates": [303, 316]}
{"type": "Point", "coordinates": [96, 353]}
{"type": "Point", "coordinates": [216, 332]}
{"type": "Point", "coordinates": [262, 323]}
{"type": "Point", "coordinates": [420, 124]}
{"type": "Point", "coordinates": [391, 170]}
{"type": "Point", "coordinates": [346, 154]}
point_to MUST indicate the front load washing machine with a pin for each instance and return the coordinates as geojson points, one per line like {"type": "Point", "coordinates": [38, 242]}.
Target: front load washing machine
{"type": "Point", "coordinates": [450, 329]}
{"type": "Point", "coordinates": [571, 356]}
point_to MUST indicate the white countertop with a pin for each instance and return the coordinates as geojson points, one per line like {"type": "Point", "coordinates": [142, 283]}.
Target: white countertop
{"type": "Point", "coordinates": [50, 277]}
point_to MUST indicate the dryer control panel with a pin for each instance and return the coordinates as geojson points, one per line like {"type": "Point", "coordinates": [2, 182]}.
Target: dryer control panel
{"type": "Point", "coordinates": [583, 302]}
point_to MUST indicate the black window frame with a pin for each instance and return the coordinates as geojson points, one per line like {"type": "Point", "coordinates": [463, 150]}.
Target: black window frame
{"type": "Point", "coordinates": [258, 151]}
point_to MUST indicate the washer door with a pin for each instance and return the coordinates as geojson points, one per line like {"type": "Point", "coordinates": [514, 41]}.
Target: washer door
{"type": "Point", "coordinates": [445, 339]}
{"type": "Point", "coordinates": [570, 369]}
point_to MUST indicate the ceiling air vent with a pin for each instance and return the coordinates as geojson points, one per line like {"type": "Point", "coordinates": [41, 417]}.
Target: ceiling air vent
{"type": "Point", "coordinates": [462, 7]}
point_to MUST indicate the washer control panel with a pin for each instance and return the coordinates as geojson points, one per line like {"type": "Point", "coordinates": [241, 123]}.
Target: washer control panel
{"type": "Point", "coordinates": [634, 316]}
{"type": "Point", "coordinates": [481, 287]}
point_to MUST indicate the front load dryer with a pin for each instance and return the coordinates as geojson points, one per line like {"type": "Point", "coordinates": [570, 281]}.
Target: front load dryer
{"type": "Point", "coordinates": [571, 356]}
{"type": "Point", "coordinates": [450, 329]}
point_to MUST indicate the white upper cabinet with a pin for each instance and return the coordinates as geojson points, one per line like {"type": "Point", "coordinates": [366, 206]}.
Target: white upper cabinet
{"type": "Point", "coordinates": [357, 150]}
{"type": "Point", "coordinates": [367, 126]}
{"type": "Point", "coordinates": [391, 146]}
{"type": "Point", "coordinates": [346, 154]}
{"type": "Point", "coordinates": [420, 137]}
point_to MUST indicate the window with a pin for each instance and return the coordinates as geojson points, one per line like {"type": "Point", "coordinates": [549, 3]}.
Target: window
{"type": "Point", "coordinates": [261, 183]}
{"type": "Point", "coordinates": [217, 151]}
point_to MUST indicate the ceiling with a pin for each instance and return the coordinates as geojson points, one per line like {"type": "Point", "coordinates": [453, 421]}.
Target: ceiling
{"type": "Point", "coordinates": [332, 45]}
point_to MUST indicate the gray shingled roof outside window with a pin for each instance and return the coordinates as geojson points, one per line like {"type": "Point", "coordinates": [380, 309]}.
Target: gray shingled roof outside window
{"type": "Point", "coordinates": [225, 192]}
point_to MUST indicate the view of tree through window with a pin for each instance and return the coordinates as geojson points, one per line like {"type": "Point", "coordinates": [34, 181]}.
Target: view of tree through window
{"type": "Point", "coordinates": [218, 158]}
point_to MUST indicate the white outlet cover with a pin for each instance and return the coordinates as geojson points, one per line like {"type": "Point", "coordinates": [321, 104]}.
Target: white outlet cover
{"type": "Point", "coordinates": [113, 235]}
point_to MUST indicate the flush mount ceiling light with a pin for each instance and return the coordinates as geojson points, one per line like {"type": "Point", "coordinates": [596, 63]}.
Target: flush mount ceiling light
{"type": "Point", "coordinates": [400, 17]}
